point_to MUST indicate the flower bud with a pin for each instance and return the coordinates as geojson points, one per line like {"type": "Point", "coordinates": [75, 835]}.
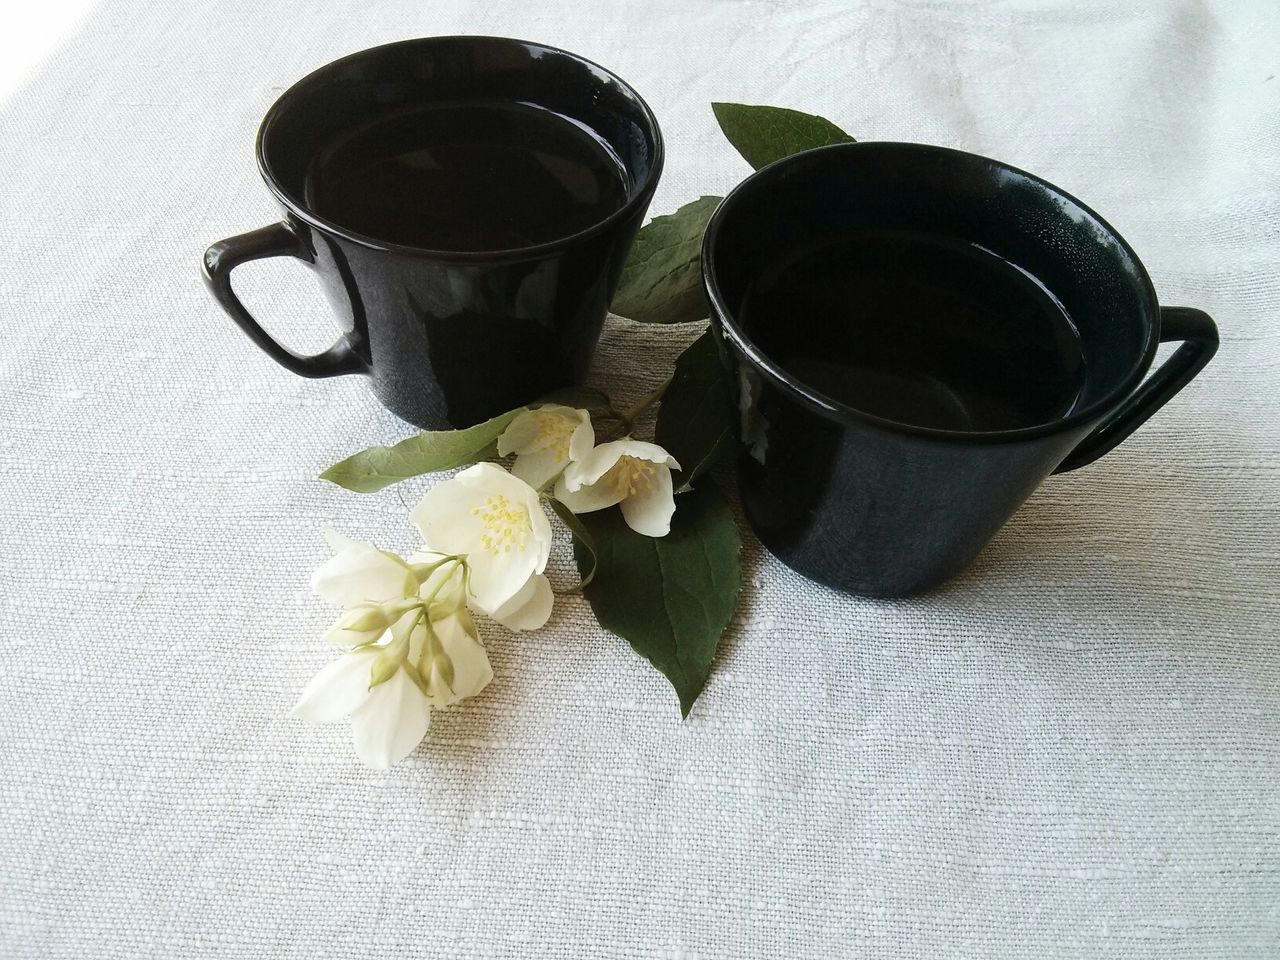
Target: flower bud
{"type": "Point", "coordinates": [368, 617]}
{"type": "Point", "coordinates": [384, 667]}
{"type": "Point", "coordinates": [367, 622]}
{"type": "Point", "coordinates": [390, 659]}
{"type": "Point", "coordinates": [441, 673]}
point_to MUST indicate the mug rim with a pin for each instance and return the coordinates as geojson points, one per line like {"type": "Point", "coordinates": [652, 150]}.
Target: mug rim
{"type": "Point", "coordinates": [727, 323]}
{"type": "Point", "coordinates": [639, 196]}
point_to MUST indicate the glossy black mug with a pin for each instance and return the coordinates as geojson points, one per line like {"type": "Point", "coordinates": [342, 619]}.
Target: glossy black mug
{"type": "Point", "coordinates": [448, 338]}
{"type": "Point", "coordinates": [884, 508]}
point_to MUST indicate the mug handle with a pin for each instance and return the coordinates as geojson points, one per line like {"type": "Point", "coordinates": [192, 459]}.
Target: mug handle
{"type": "Point", "coordinates": [1200, 342]}
{"type": "Point", "coordinates": [277, 240]}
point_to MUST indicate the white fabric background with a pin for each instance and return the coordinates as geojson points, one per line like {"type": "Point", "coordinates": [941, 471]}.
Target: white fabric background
{"type": "Point", "coordinates": [1073, 750]}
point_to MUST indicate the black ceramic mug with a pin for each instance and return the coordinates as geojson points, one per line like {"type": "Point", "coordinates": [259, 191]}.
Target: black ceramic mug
{"type": "Point", "coordinates": [888, 505]}
{"type": "Point", "coordinates": [497, 297]}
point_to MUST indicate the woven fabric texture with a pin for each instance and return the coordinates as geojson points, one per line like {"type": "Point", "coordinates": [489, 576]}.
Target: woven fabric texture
{"type": "Point", "coordinates": [1072, 750]}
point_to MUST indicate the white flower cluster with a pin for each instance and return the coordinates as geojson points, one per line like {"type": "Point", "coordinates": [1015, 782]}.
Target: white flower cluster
{"type": "Point", "coordinates": [409, 642]}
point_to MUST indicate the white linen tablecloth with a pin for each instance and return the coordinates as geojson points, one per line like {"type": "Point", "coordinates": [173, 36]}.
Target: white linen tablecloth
{"type": "Point", "coordinates": [1072, 750]}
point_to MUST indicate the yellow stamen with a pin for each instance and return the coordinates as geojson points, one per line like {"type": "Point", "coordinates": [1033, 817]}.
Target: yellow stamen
{"type": "Point", "coordinates": [506, 524]}
{"type": "Point", "coordinates": [554, 433]}
{"type": "Point", "coordinates": [630, 475]}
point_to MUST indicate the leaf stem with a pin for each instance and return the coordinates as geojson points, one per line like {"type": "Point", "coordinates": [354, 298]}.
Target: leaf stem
{"type": "Point", "coordinates": [422, 615]}
{"type": "Point", "coordinates": [629, 416]}
{"type": "Point", "coordinates": [430, 598]}
{"type": "Point", "coordinates": [424, 570]}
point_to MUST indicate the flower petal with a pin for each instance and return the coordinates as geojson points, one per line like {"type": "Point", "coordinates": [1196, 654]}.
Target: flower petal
{"type": "Point", "coordinates": [530, 608]}
{"type": "Point", "coordinates": [339, 541]}
{"type": "Point", "coordinates": [447, 514]}
{"type": "Point", "coordinates": [539, 525]}
{"type": "Point", "coordinates": [471, 669]}
{"type": "Point", "coordinates": [584, 437]}
{"type": "Point", "coordinates": [549, 440]}
{"type": "Point", "coordinates": [496, 520]}
{"type": "Point", "coordinates": [521, 434]}
{"type": "Point", "coordinates": [497, 577]}
{"type": "Point", "coordinates": [520, 598]}
{"type": "Point", "coordinates": [537, 466]}
{"type": "Point", "coordinates": [337, 690]}
{"type": "Point", "coordinates": [444, 515]}
{"type": "Point", "coordinates": [596, 496]}
{"type": "Point", "coordinates": [643, 450]}
{"type": "Point", "coordinates": [361, 573]}
{"type": "Point", "coordinates": [593, 465]}
{"type": "Point", "coordinates": [648, 511]}
{"type": "Point", "coordinates": [391, 722]}
{"type": "Point", "coordinates": [548, 426]}
{"type": "Point", "coordinates": [601, 460]}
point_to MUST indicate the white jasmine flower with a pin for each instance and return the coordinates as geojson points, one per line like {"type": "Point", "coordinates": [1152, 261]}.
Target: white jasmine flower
{"type": "Point", "coordinates": [454, 665]}
{"type": "Point", "coordinates": [388, 689]}
{"type": "Point", "coordinates": [376, 588]}
{"type": "Point", "coordinates": [632, 473]}
{"type": "Point", "coordinates": [497, 523]}
{"type": "Point", "coordinates": [527, 610]}
{"type": "Point", "coordinates": [388, 719]}
{"type": "Point", "coordinates": [361, 573]}
{"type": "Point", "coordinates": [545, 441]}
{"type": "Point", "coordinates": [414, 647]}
{"type": "Point", "coordinates": [391, 723]}
{"type": "Point", "coordinates": [339, 689]}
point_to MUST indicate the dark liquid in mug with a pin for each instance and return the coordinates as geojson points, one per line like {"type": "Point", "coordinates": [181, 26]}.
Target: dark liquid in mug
{"type": "Point", "coordinates": [474, 176]}
{"type": "Point", "coordinates": [921, 330]}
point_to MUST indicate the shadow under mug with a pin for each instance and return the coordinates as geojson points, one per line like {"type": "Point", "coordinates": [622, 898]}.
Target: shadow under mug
{"type": "Point", "coordinates": [448, 338]}
{"type": "Point", "coordinates": [881, 508]}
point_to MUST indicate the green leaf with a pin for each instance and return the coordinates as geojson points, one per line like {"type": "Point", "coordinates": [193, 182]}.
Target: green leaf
{"type": "Point", "coordinates": [662, 280]}
{"type": "Point", "coordinates": [429, 452]}
{"type": "Point", "coordinates": [695, 421]}
{"type": "Point", "coordinates": [583, 398]}
{"type": "Point", "coordinates": [670, 597]}
{"type": "Point", "coordinates": [582, 538]}
{"type": "Point", "coordinates": [765, 134]}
